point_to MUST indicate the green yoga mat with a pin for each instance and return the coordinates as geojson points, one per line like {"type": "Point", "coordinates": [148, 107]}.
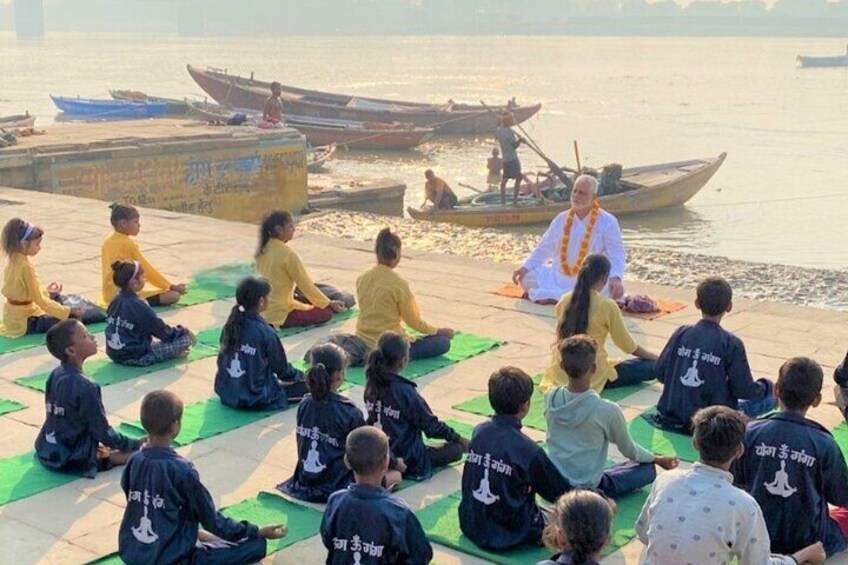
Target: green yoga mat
{"type": "Point", "coordinates": [840, 434]}
{"type": "Point", "coordinates": [463, 346]}
{"type": "Point", "coordinates": [441, 524]}
{"type": "Point", "coordinates": [264, 510]}
{"type": "Point", "coordinates": [9, 406]}
{"type": "Point", "coordinates": [203, 420]}
{"type": "Point", "coordinates": [536, 417]}
{"type": "Point", "coordinates": [22, 476]}
{"type": "Point", "coordinates": [661, 442]}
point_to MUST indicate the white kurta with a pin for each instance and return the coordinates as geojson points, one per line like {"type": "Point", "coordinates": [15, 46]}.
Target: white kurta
{"type": "Point", "coordinates": [545, 279]}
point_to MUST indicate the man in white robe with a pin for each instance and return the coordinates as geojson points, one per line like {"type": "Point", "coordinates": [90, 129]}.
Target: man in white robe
{"type": "Point", "coordinates": [541, 275]}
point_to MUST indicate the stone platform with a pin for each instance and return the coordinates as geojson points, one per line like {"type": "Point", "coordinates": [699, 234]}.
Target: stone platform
{"type": "Point", "coordinates": [79, 521]}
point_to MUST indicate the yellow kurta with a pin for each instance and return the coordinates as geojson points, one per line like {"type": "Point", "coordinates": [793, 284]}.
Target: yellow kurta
{"type": "Point", "coordinates": [283, 269]}
{"type": "Point", "coordinates": [385, 300]}
{"type": "Point", "coordinates": [121, 247]}
{"type": "Point", "coordinates": [21, 284]}
{"type": "Point", "coordinates": [605, 319]}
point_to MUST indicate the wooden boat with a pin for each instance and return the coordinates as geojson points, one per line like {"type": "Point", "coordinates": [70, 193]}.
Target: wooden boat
{"type": "Point", "coordinates": [89, 108]}
{"type": "Point", "coordinates": [448, 119]}
{"type": "Point", "coordinates": [643, 189]}
{"type": "Point", "coordinates": [175, 107]}
{"type": "Point", "coordinates": [316, 157]}
{"type": "Point", "coordinates": [318, 131]}
{"type": "Point", "coordinates": [837, 61]}
{"type": "Point", "coordinates": [382, 196]}
{"type": "Point", "coordinates": [17, 121]}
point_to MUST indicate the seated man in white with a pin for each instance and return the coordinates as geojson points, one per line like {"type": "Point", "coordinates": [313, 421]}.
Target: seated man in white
{"type": "Point", "coordinates": [582, 230]}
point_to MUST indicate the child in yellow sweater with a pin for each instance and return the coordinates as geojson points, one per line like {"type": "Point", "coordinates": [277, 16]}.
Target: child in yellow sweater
{"type": "Point", "coordinates": [29, 308]}
{"type": "Point", "coordinates": [307, 305]}
{"type": "Point", "coordinates": [120, 247]}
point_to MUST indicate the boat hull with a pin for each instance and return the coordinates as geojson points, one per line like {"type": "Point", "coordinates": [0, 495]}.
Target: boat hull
{"type": "Point", "coordinates": [808, 62]}
{"type": "Point", "coordinates": [660, 186]}
{"type": "Point", "coordinates": [84, 107]}
{"type": "Point", "coordinates": [17, 121]}
{"type": "Point", "coordinates": [175, 107]}
{"type": "Point", "coordinates": [239, 92]}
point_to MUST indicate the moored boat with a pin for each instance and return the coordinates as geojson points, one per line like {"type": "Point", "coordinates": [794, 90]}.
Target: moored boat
{"type": "Point", "coordinates": [17, 121]}
{"type": "Point", "coordinates": [90, 108]}
{"type": "Point", "coordinates": [447, 119]}
{"type": "Point", "coordinates": [316, 157]}
{"type": "Point", "coordinates": [175, 107]}
{"type": "Point", "coordinates": [836, 61]}
{"type": "Point", "coordinates": [641, 189]}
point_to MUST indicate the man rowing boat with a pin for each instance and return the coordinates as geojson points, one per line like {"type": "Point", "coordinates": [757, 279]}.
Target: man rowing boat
{"type": "Point", "coordinates": [438, 192]}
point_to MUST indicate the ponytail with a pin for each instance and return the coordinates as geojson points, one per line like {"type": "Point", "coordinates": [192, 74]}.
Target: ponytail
{"type": "Point", "coordinates": [576, 317]}
{"type": "Point", "coordinates": [387, 246]}
{"type": "Point", "coordinates": [269, 225]}
{"type": "Point", "coordinates": [124, 272]}
{"type": "Point", "coordinates": [326, 361]}
{"type": "Point", "coordinates": [248, 294]}
{"type": "Point", "coordinates": [584, 518]}
{"type": "Point", "coordinates": [387, 358]}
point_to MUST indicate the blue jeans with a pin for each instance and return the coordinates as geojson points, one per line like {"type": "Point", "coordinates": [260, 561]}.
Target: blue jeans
{"type": "Point", "coordinates": [632, 372]}
{"type": "Point", "coordinates": [625, 478]}
{"type": "Point", "coordinates": [429, 346]}
{"type": "Point", "coordinates": [755, 408]}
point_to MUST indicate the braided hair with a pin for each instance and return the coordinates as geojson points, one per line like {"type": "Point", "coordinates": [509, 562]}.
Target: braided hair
{"type": "Point", "coordinates": [576, 319]}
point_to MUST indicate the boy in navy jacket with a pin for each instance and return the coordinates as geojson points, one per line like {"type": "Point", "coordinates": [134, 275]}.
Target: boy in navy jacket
{"type": "Point", "coordinates": [166, 502]}
{"type": "Point", "coordinates": [793, 467]}
{"type": "Point", "coordinates": [76, 436]}
{"type": "Point", "coordinates": [364, 523]}
{"type": "Point", "coordinates": [705, 365]}
{"type": "Point", "coordinates": [505, 469]}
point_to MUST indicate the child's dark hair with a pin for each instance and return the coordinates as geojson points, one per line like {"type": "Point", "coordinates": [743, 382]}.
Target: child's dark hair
{"type": "Point", "coordinates": [576, 317]}
{"type": "Point", "coordinates": [366, 450]}
{"type": "Point", "coordinates": [717, 432]}
{"type": "Point", "coordinates": [122, 212]}
{"type": "Point", "coordinates": [160, 409]}
{"type": "Point", "coordinates": [248, 294]}
{"type": "Point", "coordinates": [585, 519]}
{"type": "Point", "coordinates": [269, 225]}
{"type": "Point", "coordinates": [387, 246]}
{"type": "Point", "coordinates": [60, 337]}
{"type": "Point", "coordinates": [799, 382]}
{"type": "Point", "coordinates": [577, 354]}
{"type": "Point", "coordinates": [509, 389]}
{"type": "Point", "coordinates": [325, 361]}
{"type": "Point", "coordinates": [388, 357]}
{"type": "Point", "coordinates": [125, 271]}
{"type": "Point", "coordinates": [714, 296]}
{"type": "Point", "coordinates": [15, 234]}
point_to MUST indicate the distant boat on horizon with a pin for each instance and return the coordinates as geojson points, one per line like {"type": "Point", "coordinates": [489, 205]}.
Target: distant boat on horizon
{"type": "Point", "coordinates": [832, 61]}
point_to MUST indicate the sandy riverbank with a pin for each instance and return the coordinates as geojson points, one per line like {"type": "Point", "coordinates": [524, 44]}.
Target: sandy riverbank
{"type": "Point", "coordinates": [824, 288]}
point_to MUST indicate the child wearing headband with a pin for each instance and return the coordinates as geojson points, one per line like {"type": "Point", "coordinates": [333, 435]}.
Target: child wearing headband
{"type": "Point", "coordinates": [28, 308]}
{"type": "Point", "coordinates": [120, 247]}
{"type": "Point", "coordinates": [132, 324]}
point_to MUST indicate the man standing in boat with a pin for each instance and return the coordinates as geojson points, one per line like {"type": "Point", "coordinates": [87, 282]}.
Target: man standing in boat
{"type": "Point", "coordinates": [273, 112]}
{"type": "Point", "coordinates": [585, 229]}
{"type": "Point", "coordinates": [509, 142]}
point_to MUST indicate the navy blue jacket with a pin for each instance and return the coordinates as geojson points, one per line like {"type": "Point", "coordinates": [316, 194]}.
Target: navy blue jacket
{"type": "Point", "coordinates": [565, 558]}
{"type": "Point", "coordinates": [165, 503]}
{"type": "Point", "coordinates": [252, 377]}
{"type": "Point", "coordinates": [719, 376]}
{"type": "Point", "coordinates": [503, 472]}
{"type": "Point", "coordinates": [369, 524]}
{"type": "Point", "coordinates": [403, 414]}
{"type": "Point", "coordinates": [322, 429]}
{"type": "Point", "coordinates": [131, 325]}
{"type": "Point", "coordinates": [76, 423]}
{"type": "Point", "coordinates": [794, 468]}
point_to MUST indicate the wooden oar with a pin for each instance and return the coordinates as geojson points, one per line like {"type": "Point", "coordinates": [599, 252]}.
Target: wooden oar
{"type": "Point", "coordinates": [577, 156]}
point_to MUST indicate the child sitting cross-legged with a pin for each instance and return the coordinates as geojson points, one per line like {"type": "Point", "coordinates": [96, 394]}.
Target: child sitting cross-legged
{"type": "Point", "coordinates": [132, 324]}
{"type": "Point", "coordinates": [505, 470]}
{"type": "Point", "coordinates": [793, 467]}
{"type": "Point", "coordinates": [705, 365]}
{"type": "Point", "coordinates": [696, 515]}
{"type": "Point", "coordinates": [579, 528]}
{"type": "Point", "coordinates": [76, 436]}
{"type": "Point", "coordinates": [581, 426]}
{"type": "Point", "coordinates": [166, 502]}
{"type": "Point", "coordinates": [367, 512]}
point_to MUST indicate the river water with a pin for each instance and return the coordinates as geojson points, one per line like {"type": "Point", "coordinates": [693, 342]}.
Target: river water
{"type": "Point", "coordinates": [781, 196]}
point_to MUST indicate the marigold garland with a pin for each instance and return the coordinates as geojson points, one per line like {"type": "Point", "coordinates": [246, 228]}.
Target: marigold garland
{"type": "Point", "coordinates": [584, 246]}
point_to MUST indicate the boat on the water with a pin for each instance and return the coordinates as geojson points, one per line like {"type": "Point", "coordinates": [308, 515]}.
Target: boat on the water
{"type": "Point", "coordinates": [836, 61]}
{"type": "Point", "coordinates": [641, 189]}
{"type": "Point", "coordinates": [92, 109]}
{"type": "Point", "coordinates": [175, 107]}
{"type": "Point", "coordinates": [317, 157]}
{"type": "Point", "coordinates": [17, 121]}
{"type": "Point", "coordinates": [344, 133]}
{"type": "Point", "coordinates": [448, 119]}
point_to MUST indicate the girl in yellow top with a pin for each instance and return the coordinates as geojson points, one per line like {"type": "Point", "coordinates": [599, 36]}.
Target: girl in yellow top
{"type": "Point", "coordinates": [585, 311]}
{"type": "Point", "coordinates": [385, 300]}
{"type": "Point", "coordinates": [277, 262]}
{"type": "Point", "coordinates": [120, 247]}
{"type": "Point", "coordinates": [29, 308]}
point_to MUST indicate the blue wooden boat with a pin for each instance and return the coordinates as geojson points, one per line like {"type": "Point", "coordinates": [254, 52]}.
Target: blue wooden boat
{"type": "Point", "coordinates": [89, 108]}
{"type": "Point", "coordinates": [837, 61]}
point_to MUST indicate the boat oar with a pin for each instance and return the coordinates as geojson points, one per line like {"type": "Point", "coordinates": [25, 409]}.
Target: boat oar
{"type": "Point", "coordinates": [477, 190]}
{"type": "Point", "coordinates": [577, 156]}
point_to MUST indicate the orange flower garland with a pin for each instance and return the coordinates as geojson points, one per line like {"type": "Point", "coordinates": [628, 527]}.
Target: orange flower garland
{"type": "Point", "coordinates": [584, 246]}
